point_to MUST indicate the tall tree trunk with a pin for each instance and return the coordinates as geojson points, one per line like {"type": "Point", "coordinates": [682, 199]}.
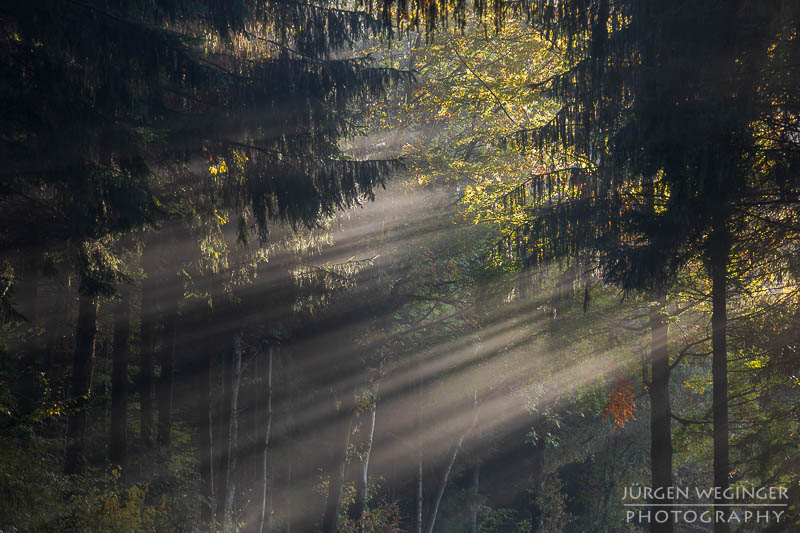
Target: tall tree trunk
{"type": "Point", "coordinates": [265, 452]}
{"type": "Point", "coordinates": [446, 474]}
{"type": "Point", "coordinates": [233, 435]}
{"type": "Point", "coordinates": [149, 319]}
{"type": "Point", "coordinates": [719, 252]}
{"type": "Point", "coordinates": [420, 496]}
{"type": "Point", "coordinates": [437, 500]}
{"type": "Point", "coordinates": [476, 484]}
{"type": "Point", "coordinates": [51, 328]}
{"type": "Point", "coordinates": [473, 512]}
{"type": "Point", "coordinates": [223, 432]}
{"type": "Point", "coordinates": [660, 412]}
{"type": "Point", "coordinates": [57, 331]}
{"type": "Point", "coordinates": [195, 319]}
{"type": "Point", "coordinates": [206, 448]}
{"type": "Point", "coordinates": [658, 391]}
{"type": "Point", "coordinates": [289, 487]}
{"type": "Point", "coordinates": [330, 520]}
{"type": "Point", "coordinates": [609, 483]}
{"type": "Point", "coordinates": [165, 380]}
{"type": "Point", "coordinates": [81, 384]}
{"type": "Point", "coordinates": [363, 484]}
{"type": "Point", "coordinates": [26, 386]}
{"type": "Point", "coordinates": [118, 439]}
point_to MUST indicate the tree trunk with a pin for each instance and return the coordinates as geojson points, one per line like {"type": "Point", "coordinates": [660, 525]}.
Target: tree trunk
{"type": "Point", "coordinates": [207, 449]}
{"type": "Point", "coordinates": [233, 435]}
{"type": "Point", "coordinates": [58, 355]}
{"type": "Point", "coordinates": [25, 387]}
{"type": "Point", "coordinates": [476, 484]}
{"type": "Point", "coordinates": [446, 474]}
{"type": "Point", "coordinates": [81, 384]}
{"type": "Point", "coordinates": [473, 512]}
{"type": "Point", "coordinates": [364, 480]}
{"type": "Point", "coordinates": [118, 439]}
{"type": "Point", "coordinates": [660, 413]}
{"type": "Point", "coordinates": [265, 452]}
{"type": "Point", "coordinates": [165, 380]}
{"type": "Point", "coordinates": [51, 360]}
{"type": "Point", "coordinates": [330, 521]}
{"type": "Point", "coordinates": [420, 499]}
{"type": "Point", "coordinates": [443, 484]}
{"type": "Point", "coordinates": [205, 406]}
{"type": "Point", "coordinates": [289, 488]}
{"type": "Point", "coordinates": [149, 319]}
{"type": "Point", "coordinates": [223, 433]}
{"type": "Point", "coordinates": [719, 252]}
{"type": "Point", "coordinates": [609, 483]}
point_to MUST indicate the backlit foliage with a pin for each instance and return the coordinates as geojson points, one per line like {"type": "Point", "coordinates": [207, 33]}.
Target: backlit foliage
{"type": "Point", "coordinates": [620, 406]}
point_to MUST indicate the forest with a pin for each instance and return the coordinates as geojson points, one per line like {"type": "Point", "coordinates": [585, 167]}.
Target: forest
{"type": "Point", "coordinates": [400, 266]}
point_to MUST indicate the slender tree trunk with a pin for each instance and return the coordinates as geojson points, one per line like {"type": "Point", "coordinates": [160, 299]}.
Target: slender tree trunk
{"type": "Point", "coordinates": [81, 384]}
{"type": "Point", "coordinates": [364, 481]}
{"type": "Point", "coordinates": [718, 269]}
{"type": "Point", "coordinates": [330, 521]}
{"type": "Point", "coordinates": [118, 439]}
{"type": "Point", "coordinates": [265, 451]}
{"type": "Point", "coordinates": [106, 353]}
{"type": "Point", "coordinates": [476, 484]}
{"type": "Point", "coordinates": [658, 390]}
{"type": "Point", "coordinates": [446, 474]}
{"type": "Point", "coordinates": [205, 407]}
{"type": "Point", "coordinates": [289, 488]}
{"type": "Point", "coordinates": [437, 500]}
{"type": "Point", "coordinates": [206, 443]}
{"type": "Point", "coordinates": [473, 513]}
{"type": "Point", "coordinates": [223, 433]}
{"type": "Point", "coordinates": [412, 57]}
{"type": "Point", "coordinates": [660, 413]}
{"type": "Point", "coordinates": [420, 499]}
{"type": "Point", "coordinates": [165, 380]}
{"type": "Point", "coordinates": [51, 362]}
{"type": "Point", "coordinates": [149, 319]}
{"type": "Point", "coordinates": [233, 435]}
{"type": "Point", "coordinates": [609, 482]}
{"type": "Point", "coordinates": [537, 472]}
{"type": "Point", "coordinates": [26, 386]}
{"type": "Point", "coordinates": [56, 332]}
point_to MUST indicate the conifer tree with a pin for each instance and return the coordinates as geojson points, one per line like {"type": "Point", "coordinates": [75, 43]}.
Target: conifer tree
{"type": "Point", "coordinates": [238, 105]}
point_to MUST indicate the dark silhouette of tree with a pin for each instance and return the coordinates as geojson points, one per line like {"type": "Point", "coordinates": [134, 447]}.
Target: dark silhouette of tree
{"type": "Point", "coordinates": [115, 106]}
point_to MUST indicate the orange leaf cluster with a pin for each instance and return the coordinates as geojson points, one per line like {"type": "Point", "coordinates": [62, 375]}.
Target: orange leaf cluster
{"type": "Point", "coordinates": [620, 405]}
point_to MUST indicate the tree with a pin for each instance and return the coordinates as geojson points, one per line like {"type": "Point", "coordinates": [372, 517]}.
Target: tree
{"type": "Point", "coordinates": [106, 96]}
{"type": "Point", "coordinates": [628, 100]}
{"type": "Point", "coordinates": [118, 440]}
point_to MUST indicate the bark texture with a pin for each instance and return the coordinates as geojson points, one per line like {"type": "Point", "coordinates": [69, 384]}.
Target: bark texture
{"type": "Point", "coordinates": [660, 413]}
{"type": "Point", "coordinates": [330, 521]}
{"type": "Point", "coordinates": [118, 439]}
{"type": "Point", "coordinates": [164, 391]}
{"type": "Point", "coordinates": [222, 429]}
{"type": "Point", "coordinates": [149, 319]}
{"type": "Point", "coordinates": [437, 500]}
{"type": "Point", "coordinates": [265, 513]}
{"type": "Point", "coordinates": [718, 269]}
{"type": "Point", "coordinates": [81, 384]}
{"type": "Point", "coordinates": [233, 437]}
